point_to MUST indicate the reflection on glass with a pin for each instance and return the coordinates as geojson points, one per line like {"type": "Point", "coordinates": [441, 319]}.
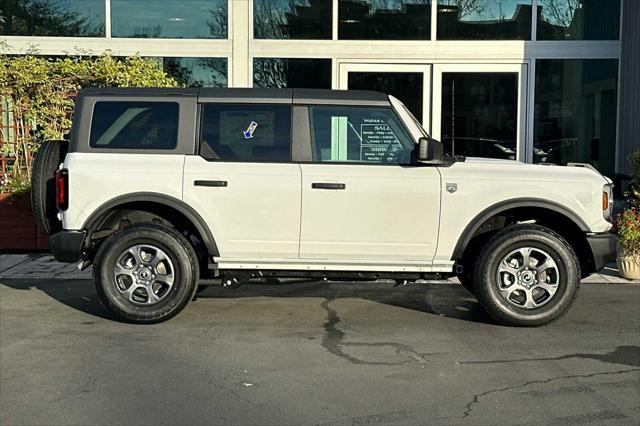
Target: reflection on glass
{"type": "Point", "coordinates": [575, 112]}
{"type": "Point", "coordinates": [72, 18]}
{"type": "Point", "coordinates": [384, 19]}
{"type": "Point", "coordinates": [578, 19]}
{"type": "Point", "coordinates": [484, 20]}
{"type": "Point", "coordinates": [480, 114]}
{"type": "Point", "coordinates": [292, 19]}
{"type": "Point", "coordinates": [406, 86]}
{"type": "Point", "coordinates": [292, 72]}
{"type": "Point", "coordinates": [169, 19]}
{"type": "Point", "coordinates": [197, 72]}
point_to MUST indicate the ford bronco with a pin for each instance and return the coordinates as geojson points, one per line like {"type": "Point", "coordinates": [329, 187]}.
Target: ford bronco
{"type": "Point", "coordinates": [167, 190]}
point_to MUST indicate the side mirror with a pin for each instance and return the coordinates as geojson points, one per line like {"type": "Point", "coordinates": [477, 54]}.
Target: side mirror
{"type": "Point", "coordinates": [430, 151]}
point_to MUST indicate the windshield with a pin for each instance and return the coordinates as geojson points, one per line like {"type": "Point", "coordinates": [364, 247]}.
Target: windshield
{"type": "Point", "coordinates": [415, 120]}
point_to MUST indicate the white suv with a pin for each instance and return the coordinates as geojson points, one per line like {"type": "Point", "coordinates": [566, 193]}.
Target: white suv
{"type": "Point", "coordinates": [166, 190]}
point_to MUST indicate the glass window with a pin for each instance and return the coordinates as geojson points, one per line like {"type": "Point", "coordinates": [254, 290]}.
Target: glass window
{"type": "Point", "coordinates": [406, 86]}
{"type": "Point", "coordinates": [292, 72]}
{"type": "Point", "coordinates": [197, 72]}
{"type": "Point", "coordinates": [359, 134]}
{"type": "Point", "coordinates": [578, 19]}
{"type": "Point", "coordinates": [71, 18]}
{"type": "Point", "coordinates": [246, 132]}
{"type": "Point", "coordinates": [575, 112]}
{"type": "Point", "coordinates": [480, 114]}
{"type": "Point", "coordinates": [484, 20]}
{"type": "Point", "coordinates": [134, 125]}
{"type": "Point", "coordinates": [169, 19]}
{"type": "Point", "coordinates": [292, 19]}
{"type": "Point", "coordinates": [384, 19]}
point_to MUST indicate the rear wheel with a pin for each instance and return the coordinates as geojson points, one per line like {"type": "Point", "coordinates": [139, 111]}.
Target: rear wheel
{"type": "Point", "coordinates": [527, 275]}
{"type": "Point", "coordinates": [43, 191]}
{"type": "Point", "coordinates": [146, 273]}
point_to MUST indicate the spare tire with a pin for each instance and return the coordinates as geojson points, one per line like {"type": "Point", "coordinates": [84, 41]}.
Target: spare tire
{"type": "Point", "coordinates": [43, 189]}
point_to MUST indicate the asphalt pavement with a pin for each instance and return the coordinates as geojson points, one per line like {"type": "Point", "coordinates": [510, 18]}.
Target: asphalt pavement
{"type": "Point", "coordinates": [315, 353]}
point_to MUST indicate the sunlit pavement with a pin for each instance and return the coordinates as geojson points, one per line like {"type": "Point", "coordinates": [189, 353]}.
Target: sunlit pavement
{"type": "Point", "coordinates": [315, 353]}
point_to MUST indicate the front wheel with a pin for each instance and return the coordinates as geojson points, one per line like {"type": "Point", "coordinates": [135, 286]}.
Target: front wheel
{"type": "Point", "coordinates": [146, 273]}
{"type": "Point", "coordinates": [527, 275]}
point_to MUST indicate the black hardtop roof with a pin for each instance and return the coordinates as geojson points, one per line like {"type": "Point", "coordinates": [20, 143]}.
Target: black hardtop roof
{"type": "Point", "coordinates": [262, 95]}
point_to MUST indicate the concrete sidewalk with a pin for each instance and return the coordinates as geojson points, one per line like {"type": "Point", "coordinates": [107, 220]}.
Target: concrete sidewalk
{"type": "Point", "coordinates": [39, 265]}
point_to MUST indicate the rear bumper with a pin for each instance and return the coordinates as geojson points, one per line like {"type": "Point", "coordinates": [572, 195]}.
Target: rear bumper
{"type": "Point", "coordinates": [66, 246]}
{"type": "Point", "coordinates": [604, 249]}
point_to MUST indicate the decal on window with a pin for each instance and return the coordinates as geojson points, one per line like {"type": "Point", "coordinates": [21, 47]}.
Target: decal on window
{"type": "Point", "coordinates": [248, 134]}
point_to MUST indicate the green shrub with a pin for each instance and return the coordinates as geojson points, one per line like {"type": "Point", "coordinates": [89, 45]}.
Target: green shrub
{"type": "Point", "coordinates": [37, 96]}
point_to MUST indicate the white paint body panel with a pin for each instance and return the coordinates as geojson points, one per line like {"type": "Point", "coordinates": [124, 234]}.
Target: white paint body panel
{"type": "Point", "coordinates": [95, 179]}
{"type": "Point", "coordinates": [257, 215]}
{"type": "Point", "coordinates": [385, 212]}
{"type": "Point", "coordinates": [483, 183]}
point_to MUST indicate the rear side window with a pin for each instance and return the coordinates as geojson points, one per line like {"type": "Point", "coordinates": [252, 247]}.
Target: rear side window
{"type": "Point", "coordinates": [134, 125]}
{"type": "Point", "coordinates": [248, 132]}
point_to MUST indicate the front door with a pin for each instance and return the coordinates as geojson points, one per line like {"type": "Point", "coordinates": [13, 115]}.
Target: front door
{"type": "Point", "coordinates": [363, 201]}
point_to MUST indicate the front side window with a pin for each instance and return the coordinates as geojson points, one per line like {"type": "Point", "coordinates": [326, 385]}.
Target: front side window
{"type": "Point", "coordinates": [360, 135]}
{"type": "Point", "coordinates": [251, 133]}
{"type": "Point", "coordinates": [134, 125]}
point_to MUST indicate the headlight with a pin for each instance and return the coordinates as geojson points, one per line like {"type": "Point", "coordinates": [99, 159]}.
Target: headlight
{"type": "Point", "coordinates": [607, 201]}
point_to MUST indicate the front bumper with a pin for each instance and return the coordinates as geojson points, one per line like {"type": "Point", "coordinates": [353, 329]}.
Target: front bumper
{"type": "Point", "coordinates": [604, 248]}
{"type": "Point", "coordinates": [66, 246]}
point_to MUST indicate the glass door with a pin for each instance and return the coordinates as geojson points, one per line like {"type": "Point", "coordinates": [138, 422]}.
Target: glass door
{"type": "Point", "coordinates": [411, 83]}
{"type": "Point", "coordinates": [480, 109]}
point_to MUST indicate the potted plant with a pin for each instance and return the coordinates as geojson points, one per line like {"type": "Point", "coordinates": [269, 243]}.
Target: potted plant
{"type": "Point", "coordinates": [627, 226]}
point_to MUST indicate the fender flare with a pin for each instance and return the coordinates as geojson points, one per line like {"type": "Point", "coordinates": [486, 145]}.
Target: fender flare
{"type": "Point", "coordinates": [162, 199]}
{"type": "Point", "coordinates": [502, 206]}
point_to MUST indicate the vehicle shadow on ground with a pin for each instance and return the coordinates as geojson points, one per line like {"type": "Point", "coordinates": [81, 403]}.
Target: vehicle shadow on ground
{"type": "Point", "coordinates": [448, 300]}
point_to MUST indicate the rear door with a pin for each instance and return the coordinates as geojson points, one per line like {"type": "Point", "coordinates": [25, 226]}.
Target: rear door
{"type": "Point", "coordinates": [244, 183]}
{"type": "Point", "coordinates": [363, 199]}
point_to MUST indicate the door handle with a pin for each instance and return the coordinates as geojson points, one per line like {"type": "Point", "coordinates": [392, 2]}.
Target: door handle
{"type": "Point", "coordinates": [328, 185]}
{"type": "Point", "coordinates": [213, 183]}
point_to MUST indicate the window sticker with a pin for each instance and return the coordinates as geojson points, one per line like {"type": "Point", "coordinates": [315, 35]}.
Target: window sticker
{"type": "Point", "coordinates": [248, 134]}
{"type": "Point", "coordinates": [378, 140]}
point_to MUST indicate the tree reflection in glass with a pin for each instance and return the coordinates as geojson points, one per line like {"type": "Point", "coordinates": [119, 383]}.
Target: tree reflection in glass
{"type": "Point", "coordinates": [292, 19]}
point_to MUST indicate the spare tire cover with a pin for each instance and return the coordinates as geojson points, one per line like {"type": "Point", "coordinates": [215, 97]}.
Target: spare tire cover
{"type": "Point", "coordinates": [43, 189]}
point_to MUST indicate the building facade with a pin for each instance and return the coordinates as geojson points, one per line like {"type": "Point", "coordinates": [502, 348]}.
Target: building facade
{"type": "Point", "coordinates": [533, 80]}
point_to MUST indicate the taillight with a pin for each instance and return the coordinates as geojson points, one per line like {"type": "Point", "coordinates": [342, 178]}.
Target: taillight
{"type": "Point", "coordinates": [607, 201]}
{"type": "Point", "coordinates": [62, 189]}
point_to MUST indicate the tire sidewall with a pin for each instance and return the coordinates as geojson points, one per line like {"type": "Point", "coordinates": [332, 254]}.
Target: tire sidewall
{"type": "Point", "coordinates": [489, 294]}
{"type": "Point", "coordinates": [185, 271]}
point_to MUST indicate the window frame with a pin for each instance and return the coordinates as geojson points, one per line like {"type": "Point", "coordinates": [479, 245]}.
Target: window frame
{"type": "Point", "coordinates": [200, 128]}
{"type": "Point", "coordinates": [312, 144]}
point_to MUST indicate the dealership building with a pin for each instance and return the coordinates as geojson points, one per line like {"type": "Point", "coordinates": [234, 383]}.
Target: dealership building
{"type": "Point", "coordinates": [542, 81]}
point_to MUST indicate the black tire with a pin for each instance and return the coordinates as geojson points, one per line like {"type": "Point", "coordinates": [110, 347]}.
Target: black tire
{"type": "Point", "coordinates": [43, 191]}
{"type": "Point", "coordinates": [184, 264]}
{"type": "Point", "coordinates": [498, 248]}
{"type": "Point", "coordinates": [466, 279]}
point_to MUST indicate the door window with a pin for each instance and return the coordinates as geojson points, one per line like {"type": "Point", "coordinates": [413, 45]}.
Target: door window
{"type": "Point", "coordinates": [246, 132]}
{"type": "Point", "coordinates": [360, 135]}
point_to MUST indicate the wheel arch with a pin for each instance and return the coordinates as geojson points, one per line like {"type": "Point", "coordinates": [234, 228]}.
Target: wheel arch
{"type": "Point", "coordinates": [544, 212]}
{"type": "Point", "coordinates": [160, 204]}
